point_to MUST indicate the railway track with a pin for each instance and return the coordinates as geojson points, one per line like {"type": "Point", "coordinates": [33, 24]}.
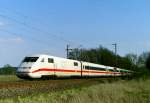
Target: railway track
{"type": "Point", "coordinates": [23, 87]}
{"type": "Point", "coordinates": [38, 83]}
{"type": "Point", "coordinates": [33, 83]}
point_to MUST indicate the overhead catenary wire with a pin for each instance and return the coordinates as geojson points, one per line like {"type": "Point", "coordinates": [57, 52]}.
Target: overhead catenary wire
{"type": "Point", "coordinates": [52, 50]}
{"type": "Point", "coordinates": [29, 26]}
{"type": "Point", "coordinates": [17, 34]}
{"type": "Point", "coordinates": [6, 9]}
{"type": "Point", "coordinates": [36, 29]}
{"type": "Point", "coordinates": [25, 17]}
{"type": "Point", "coordinates": [33, 39]}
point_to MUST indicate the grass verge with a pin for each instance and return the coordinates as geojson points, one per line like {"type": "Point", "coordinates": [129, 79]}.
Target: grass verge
{"type": "Point", "coordinates": [134, 91]}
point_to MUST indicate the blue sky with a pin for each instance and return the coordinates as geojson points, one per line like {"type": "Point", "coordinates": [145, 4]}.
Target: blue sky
{"type": "Point", "coordinates": [47, 26]}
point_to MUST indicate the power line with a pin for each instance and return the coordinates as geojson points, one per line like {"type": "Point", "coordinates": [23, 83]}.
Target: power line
{"type": "Point", "coordinates": [33, 39]}
{"type": "Point", "coordinates": [15, 12]}
{"type": "Point", "coordinates": [35, 28]}
{"type": "Point", "coordinates": [23, 15]}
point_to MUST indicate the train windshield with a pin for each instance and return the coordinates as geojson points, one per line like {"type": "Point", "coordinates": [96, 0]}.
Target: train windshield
{"type": "Point", "coordinates": [30, 59]}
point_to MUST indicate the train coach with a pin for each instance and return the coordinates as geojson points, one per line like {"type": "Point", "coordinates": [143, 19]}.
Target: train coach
{"type": "Point", "coordinates": [39, 66]}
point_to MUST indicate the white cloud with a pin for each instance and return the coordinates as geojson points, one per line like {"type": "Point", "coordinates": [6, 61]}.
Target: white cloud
{"type": "Point", "coordinates": [11, 40]}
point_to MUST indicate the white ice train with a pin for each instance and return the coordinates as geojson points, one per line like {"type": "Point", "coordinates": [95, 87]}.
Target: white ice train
{"type": "Point", "coordinates": [38, 66]}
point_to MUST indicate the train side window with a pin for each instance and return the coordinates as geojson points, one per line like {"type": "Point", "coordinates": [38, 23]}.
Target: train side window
{"type": "Point", "coordinates": [50, 60]}
{"type": "Point", "coordinates": [111, 70]}
{"type": "Point", "coordinates": [75, 64]}
{"type": "Point", "coordinates": [42, 60]}
{"type": "Point", "coordinates": [117, 70]}
{"type": "Point", "coordinates": [86, 67]}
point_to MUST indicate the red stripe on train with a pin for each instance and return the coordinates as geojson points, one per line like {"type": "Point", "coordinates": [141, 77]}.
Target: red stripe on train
{"type": "Point", "coordinates": [84, 71]}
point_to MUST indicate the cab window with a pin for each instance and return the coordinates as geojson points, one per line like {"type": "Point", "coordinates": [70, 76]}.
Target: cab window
{"type": "Point", "coordinates": [50, 60]}
{"type": "Point", "coordinates": [30, 59]}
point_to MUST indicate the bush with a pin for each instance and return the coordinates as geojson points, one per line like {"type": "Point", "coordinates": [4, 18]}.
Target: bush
{"type": "Point", "coordinates": [148, 62]}
{"type": "Point", "coordinates": [7, 69]}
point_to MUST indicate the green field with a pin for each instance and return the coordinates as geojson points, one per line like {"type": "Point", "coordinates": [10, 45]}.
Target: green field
{"type": "Point", "coordinates": [8, 78]}
{"type": "Point", "coordinates": [122, 91]}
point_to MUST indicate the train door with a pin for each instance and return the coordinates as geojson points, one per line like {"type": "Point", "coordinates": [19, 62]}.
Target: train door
{"type": "Point", "coordinates": [87, 70]}
{"type": "Point", "coordinates": [52, 66]}
{"type": "Point", "coordinates": [82, 67]}
{"type": "Point", "coordinates": [55, 68]}
{"type": "Point", "coordinates": [108, 71]}
{"type": "Point", "coordinates": [83, 73]}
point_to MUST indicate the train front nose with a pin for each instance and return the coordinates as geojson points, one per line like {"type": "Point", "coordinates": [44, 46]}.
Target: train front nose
{"type": "Point", "coordinates": [23, 72]}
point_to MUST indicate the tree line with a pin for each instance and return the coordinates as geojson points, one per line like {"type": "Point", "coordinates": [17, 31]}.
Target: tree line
{"type": "Point", "coordinates": [104, 56]}
{"type": "Point", "coordinates": [7, 70]}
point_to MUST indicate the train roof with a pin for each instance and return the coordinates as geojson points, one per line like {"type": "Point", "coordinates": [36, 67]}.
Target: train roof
{"type": "Point", "coordinates": [43, 55]}
{"type": "Point", "coordinates": [38, 55]}
{"type": "Point", "coordinates": [50, 56]}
